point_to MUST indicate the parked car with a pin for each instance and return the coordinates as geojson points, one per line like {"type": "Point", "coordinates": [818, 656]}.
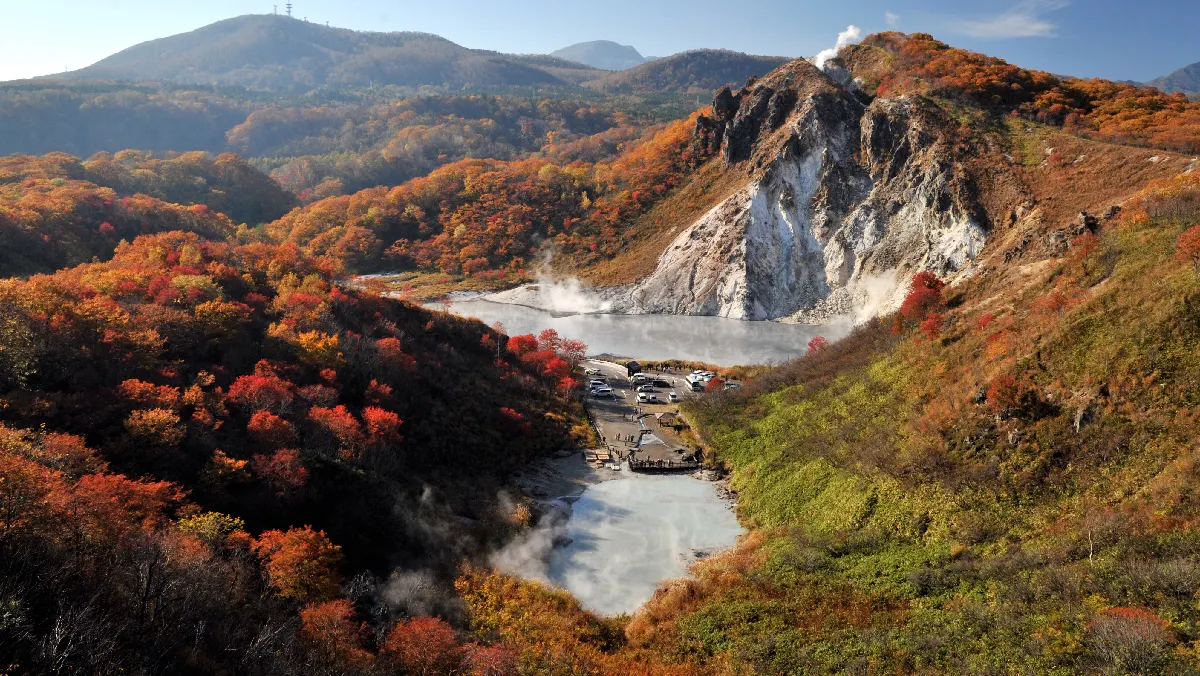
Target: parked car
{"type": "Point", "coordinates": [596, 382]}
{"type": "Point", "coordinates": [672, 397]}
{"type": "Point", "coordinates": [661, 382]}
{"type": "Point", "coordinates": [653, 398]}
{"type": "Point", "coordinates": [602, 392]}
{"type": "Point", "coordinates": [643, 398]}
{"type": "Point", "coordinates": [732, 386]}
{"type": "Point", "coordinates": [645, 388]}
{"type": "Point", "coordinates": [591, 372]}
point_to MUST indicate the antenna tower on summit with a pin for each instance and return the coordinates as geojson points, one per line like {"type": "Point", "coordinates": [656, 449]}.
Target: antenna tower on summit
{"type": "Point", "coordinates": [289, 9]}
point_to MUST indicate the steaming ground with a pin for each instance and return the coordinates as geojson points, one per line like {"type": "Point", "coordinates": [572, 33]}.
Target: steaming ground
{"type": "Point", "coordinates": [629, 535]}
{"type": "Point", "coordinates": [625, 536]}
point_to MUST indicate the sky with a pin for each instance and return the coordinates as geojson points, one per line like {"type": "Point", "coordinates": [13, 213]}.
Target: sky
{"type": "Point", "coordinates": [1116, 39]}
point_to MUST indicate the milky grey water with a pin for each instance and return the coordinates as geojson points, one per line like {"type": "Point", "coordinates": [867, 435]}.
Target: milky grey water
{"type": "Point", "coordinates": [713, 340]}
{"type": "Point", "coordinates": [630, 534]}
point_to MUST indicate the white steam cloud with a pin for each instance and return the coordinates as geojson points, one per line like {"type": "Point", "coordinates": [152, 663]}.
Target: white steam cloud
{"type": "Point", "coordinates": [528, 554]}
{"type": "Point", "coordinates": [557, 295]}
{"type": "Point", "coordinates": [880, 295]}
{"type": "Point", "coordinates": [566, 295]}
{"type": "Point", "coordinates": [851, 35]}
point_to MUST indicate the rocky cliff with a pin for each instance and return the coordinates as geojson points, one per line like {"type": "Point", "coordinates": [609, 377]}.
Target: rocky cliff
{"type": "Point", "coordinates": [842, 197]}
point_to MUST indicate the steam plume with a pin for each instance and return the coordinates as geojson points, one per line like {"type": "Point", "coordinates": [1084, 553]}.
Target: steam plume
{"type": "Point", "coordinates": [851, 35]}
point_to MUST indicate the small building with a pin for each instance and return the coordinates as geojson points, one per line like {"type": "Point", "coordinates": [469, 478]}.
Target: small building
{"type": "Point", "coordinates": [632, 367]}
{"type": "Point", "coordinates": [666, 418]}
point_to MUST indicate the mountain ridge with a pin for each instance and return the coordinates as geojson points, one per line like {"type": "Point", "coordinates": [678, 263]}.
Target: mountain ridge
{"type": "Point", "coordinates": [1184, 80]}
{"type": "Point", "coordinates": [604, 54]}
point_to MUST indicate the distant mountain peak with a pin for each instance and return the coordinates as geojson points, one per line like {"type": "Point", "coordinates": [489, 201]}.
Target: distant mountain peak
{"type": "Point", "coordinates": [1186, 80]}
{"type": "Point", "coordinates": [604, 54]}
{"type": "Point", "coordinates": [285, 54]}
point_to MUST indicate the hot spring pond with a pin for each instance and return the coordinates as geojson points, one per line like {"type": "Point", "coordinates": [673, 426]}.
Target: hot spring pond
{"type": "Point", "coordinates": [628, 535]}
{"type": "Point", "coordinates": [713, 340]}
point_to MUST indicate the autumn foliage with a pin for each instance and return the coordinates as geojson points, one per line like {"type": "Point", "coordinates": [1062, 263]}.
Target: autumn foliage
{"type": "Point", "coordinates": [924, 296]}
{"type": "Point", "coordinates": [423, 645]}
{"type": "Point", "coordinates": [1187, 247]}
{"type": "Point", "coordinates": [300, 563]}
{"type": "Point", "coordinates": [1096, 108]}
{"type": "Point", "coordinates": [476, 216]}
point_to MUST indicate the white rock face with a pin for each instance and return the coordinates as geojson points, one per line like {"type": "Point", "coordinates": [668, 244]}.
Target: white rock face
{"type": "Point", "coordinates": [854, 203]}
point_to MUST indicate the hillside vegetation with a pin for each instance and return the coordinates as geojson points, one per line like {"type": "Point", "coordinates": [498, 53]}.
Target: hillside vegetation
{"type": "Point", "coordinates": [996, 479]}
{"type": "Point", "coordinates": [1186, 80]}
{"type": "Point", "coordinates": [894, 63]}
{"type": "Point", "coordinates": [699, 71]}
{"type": "Point", "coordinates": [56, 211]}
{"type": "Point", "coordinates": [280, 53]}
{"type": "Point", "coordinates": [207, 439]}
{"type": "Point", "coordinates": [491, 218]}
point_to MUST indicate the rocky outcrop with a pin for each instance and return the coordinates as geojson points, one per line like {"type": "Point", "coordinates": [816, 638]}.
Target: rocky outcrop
{"type": "Point", "coordinates": [841, 199]}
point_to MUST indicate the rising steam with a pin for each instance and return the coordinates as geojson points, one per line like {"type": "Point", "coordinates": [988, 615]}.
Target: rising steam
{"type": "Point", "coordinates": [557, 295]}
{"type": "Point", "coordinates": [851, 35]}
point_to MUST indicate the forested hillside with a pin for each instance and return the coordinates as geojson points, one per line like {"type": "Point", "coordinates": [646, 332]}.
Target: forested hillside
{"type": "Point", "coordinates": [481, 217]}
{"type": "Point", "coordinates": [281, 53]}
{"type": "Point", "coordinates": [202, 438]}
{"type": "Point", "coordinates": [56, 211]}
{"type": "Point", "coordinates": [699, 71]}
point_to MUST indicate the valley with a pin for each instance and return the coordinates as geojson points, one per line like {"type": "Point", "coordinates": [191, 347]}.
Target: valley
{"type": "Point", "coordinates": [318, 354]}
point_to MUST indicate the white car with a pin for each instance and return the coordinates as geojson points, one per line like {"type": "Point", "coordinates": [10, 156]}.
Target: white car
{"type": "Point", "coordinates": [672, 397]}
{"type": "Point", "coordinates": [646, 388]}
{"type": "Point", "coordinates": [596, 382]}
{"type": "Point", "coordinates": [602, 392]}
{"type": "Point", "coordinates": [643, 398]}
{"type": "Point", "coordinates": [591, 372]}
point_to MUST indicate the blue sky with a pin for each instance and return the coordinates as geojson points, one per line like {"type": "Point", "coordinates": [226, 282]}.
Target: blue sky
{"type": "Point", "coordinates": [1116, 39]}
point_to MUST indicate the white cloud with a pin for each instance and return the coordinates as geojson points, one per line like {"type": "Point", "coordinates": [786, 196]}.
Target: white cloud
{"type": "Point", "coordinates": [1026, 19]}
{"type": "Point", "coordinates": [891, 19]}
{"type": "Point", "coordinates": [849, 36]}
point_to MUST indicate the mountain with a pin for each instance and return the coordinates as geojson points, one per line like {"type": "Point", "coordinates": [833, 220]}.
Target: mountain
{"type": "Point", "coordinates": [285, 54]}
{"type": "Point", "coordinates": [826, 204]}
{"type": "Point", "coordinates": [604, 54]}
{"type": "Point", "coordinates": [282, 55]}
{"type": "Point", "coordinates": [1186, 80]}
{"type": "Point", "coordinates": [829, 194]}
{"type": "Point", "coordinates": [696, 71]}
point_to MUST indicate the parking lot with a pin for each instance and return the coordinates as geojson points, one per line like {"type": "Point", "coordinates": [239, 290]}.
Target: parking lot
{"type": "Point", "coordinates": [617, 418]}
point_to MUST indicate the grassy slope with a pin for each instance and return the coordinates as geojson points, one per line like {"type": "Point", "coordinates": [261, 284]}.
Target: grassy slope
{"type": "Point", "coordinates": [902, 526]}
